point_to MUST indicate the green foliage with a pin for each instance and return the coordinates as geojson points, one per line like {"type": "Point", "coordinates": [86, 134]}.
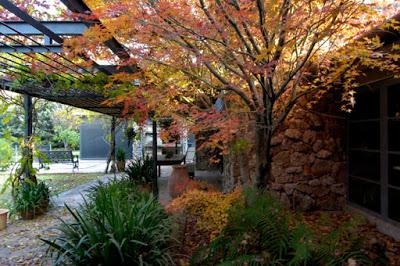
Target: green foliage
{"type": "Point", "coordinates": [6, 153]}
{"type": "Point", "coordinates": [56, 83]}
{"type": "Point", "coordinates": [140, 171]}
{"type": "Point", "coordinates": [116, 226]}
{"type": "Point", "coordinates": [120, 156]}
{"type": "Point", "coordinates": [70, 138]}
{"type": "Point", "coordinates": [261, 231]}
{"type": "Point", "coordinates": [31, 198]}
{"type": "Point", "coordinates": [12, 120]}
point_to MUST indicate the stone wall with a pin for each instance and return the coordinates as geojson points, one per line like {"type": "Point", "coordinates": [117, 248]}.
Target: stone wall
{"type": "Point", "coordinates": [308, 161]}
{"type": "Point", "coordinates": [308, 154]}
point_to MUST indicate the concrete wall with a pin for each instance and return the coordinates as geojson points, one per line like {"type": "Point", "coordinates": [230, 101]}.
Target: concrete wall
{"type": "Point", "coordinates": [94, 140]}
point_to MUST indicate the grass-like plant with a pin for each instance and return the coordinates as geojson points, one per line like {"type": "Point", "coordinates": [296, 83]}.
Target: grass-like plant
{"type": "Point", "coordinates": [31, 199]}
{"type": "Point", "coordinates": [117, 225]}
{"type": "Point", "coordinates": [140, 170]}
{"type": "Point", "coordinates": [260, 231]}
{"type": "Point", "coordinates": [120, 155]}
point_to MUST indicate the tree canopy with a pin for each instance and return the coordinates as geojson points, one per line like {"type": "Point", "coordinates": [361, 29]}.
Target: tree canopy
{"type": "Point", "coordinates": [259, 56]}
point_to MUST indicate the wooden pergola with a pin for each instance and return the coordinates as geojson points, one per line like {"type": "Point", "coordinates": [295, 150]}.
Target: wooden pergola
{"type": "Point", "coordinates": [52, 33]}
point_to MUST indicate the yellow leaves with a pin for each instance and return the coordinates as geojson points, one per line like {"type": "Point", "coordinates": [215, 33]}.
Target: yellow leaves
{"type": "Point", "coordinates": [394, 57]}
{"type": "Point", "coordinates": [264, 53]}
{"type": "Point", "coordinates": [210, 209]}
{"type": "Point", "coordinates": [396, 47]}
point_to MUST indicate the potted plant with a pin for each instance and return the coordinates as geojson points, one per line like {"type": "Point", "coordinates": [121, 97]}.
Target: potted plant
{"type": "Point", "coordinates": [120, 156]}
{"type": "Point", "coordinates": [31, 200]}
{"type": "Point", "coordinates": [3, 218]}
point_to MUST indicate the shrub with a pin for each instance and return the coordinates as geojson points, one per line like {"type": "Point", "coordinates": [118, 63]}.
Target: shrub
{"type": "Point", "coordinates": [31, 199]}
{"type": "Point", "coordinates": [260, 231]}
{"type": "Point", "coordinates": [140, 170]}
{"type": "Point", "coordinates": [115, 226]}
{"type": "Point", "coordinates": [186, 184]}
{"type": "Point", "coordinates": [199, 216]}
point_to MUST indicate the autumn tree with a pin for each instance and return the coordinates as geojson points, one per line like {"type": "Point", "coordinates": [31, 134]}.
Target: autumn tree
{"type": "Point", "coordinates": [261, 55]}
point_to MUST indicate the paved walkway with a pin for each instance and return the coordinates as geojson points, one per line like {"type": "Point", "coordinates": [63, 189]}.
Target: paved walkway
{"type": "Point", "coordinates": [74, 197]}
{"type": "Point", "coordinates": [20, 243]}
{"type": "Point", "coordinates": [85, 166]}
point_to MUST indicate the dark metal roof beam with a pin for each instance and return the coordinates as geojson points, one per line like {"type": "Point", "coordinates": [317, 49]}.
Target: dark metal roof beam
{"type": "Point", "coordinates": [25, 17]}
{"type": "Point", "coordinates": [69, 28]}
{"type": "Point", "coordinates": [78, 6]}
{"type": "Point", "coordinates": [31, 49]}
{"type": "Point", "coordinates": [47, 42]}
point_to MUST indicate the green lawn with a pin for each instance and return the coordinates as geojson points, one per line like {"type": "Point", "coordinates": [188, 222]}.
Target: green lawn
{"type": "Point", "coordinates": [57, 183]}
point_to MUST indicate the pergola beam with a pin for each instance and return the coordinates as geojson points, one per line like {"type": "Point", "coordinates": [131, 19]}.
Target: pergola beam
{"type": "Point", "coordinates": [78, 6]}
{"type": "Point", "coordinates": [67, 28]}
{"type": "Point", "coordinates": [33, 22]}
{"type": "Point", "coordinates": [39, 26]}
{"type": "Point", "coordinates": [31, 49]}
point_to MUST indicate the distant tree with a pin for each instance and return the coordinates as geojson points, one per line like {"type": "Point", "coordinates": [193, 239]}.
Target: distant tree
{"type": "Point", "coordinates": [6, 153]}
{"type": "Point", "coordinates": [70, 138]}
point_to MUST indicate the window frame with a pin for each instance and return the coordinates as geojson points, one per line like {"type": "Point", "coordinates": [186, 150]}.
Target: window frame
{"type": "Point", "coordinates": [383, 150]}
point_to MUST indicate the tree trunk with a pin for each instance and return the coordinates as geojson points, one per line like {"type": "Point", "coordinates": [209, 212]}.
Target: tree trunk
{"type": "Point", "coordinates": [244, 168]}
{"type": "Point", "coordinates": [263, 152]}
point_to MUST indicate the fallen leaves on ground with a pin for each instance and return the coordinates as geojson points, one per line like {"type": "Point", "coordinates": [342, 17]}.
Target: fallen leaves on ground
{"type": "Point", "coordinates": [376, 243]}
{"type": "Point", "coordinates": [20, 243]}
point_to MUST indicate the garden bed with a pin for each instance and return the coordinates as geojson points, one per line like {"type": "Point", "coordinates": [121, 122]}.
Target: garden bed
{"type": "Point", "coordinates": [377, 242]}
{"type": "Point", "coordinates": [340, 236]}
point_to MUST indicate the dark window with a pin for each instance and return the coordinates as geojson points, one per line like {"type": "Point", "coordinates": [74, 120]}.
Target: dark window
{"type": "Point", "coordinates": [364, 164]}
{"type": "Point", "coordinates": [394, 101]}
{"type": "Point", "coordinates": [367, 104]}
{"type": "Point", "coordinates": [394, 134]}
{"type": "Point", "coordinates": [365, 193]}
{"type": "Point", "coordinates": [364, 135]}
{"type": "Point", "coordinates": [394, 200]}
{"type": "Point", "coordinates": [374, 151]}
{"type": "Point", "coordinates": [394, 170]}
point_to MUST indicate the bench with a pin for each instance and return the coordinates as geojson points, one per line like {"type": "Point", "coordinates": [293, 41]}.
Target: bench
{"type": "Point", "coordinates": [58, 156]}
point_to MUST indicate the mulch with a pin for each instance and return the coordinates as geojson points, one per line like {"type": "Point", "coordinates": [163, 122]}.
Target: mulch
{"type": "Point", "coordinates": [376, 244]}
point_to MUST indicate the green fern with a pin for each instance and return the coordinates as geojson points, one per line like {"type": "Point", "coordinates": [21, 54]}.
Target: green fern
{"type": "Point", "coordinates": [261, 231]}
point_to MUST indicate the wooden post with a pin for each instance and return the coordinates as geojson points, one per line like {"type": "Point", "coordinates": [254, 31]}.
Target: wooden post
{"type": "Point", "coordinates": [114, 165]}
{"type": "Point", "coordinates": [28, 130]}
{"type": "Point", "coordinates": [111, 157]}
{"type": "Point", "coordinates": [155, 175]}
